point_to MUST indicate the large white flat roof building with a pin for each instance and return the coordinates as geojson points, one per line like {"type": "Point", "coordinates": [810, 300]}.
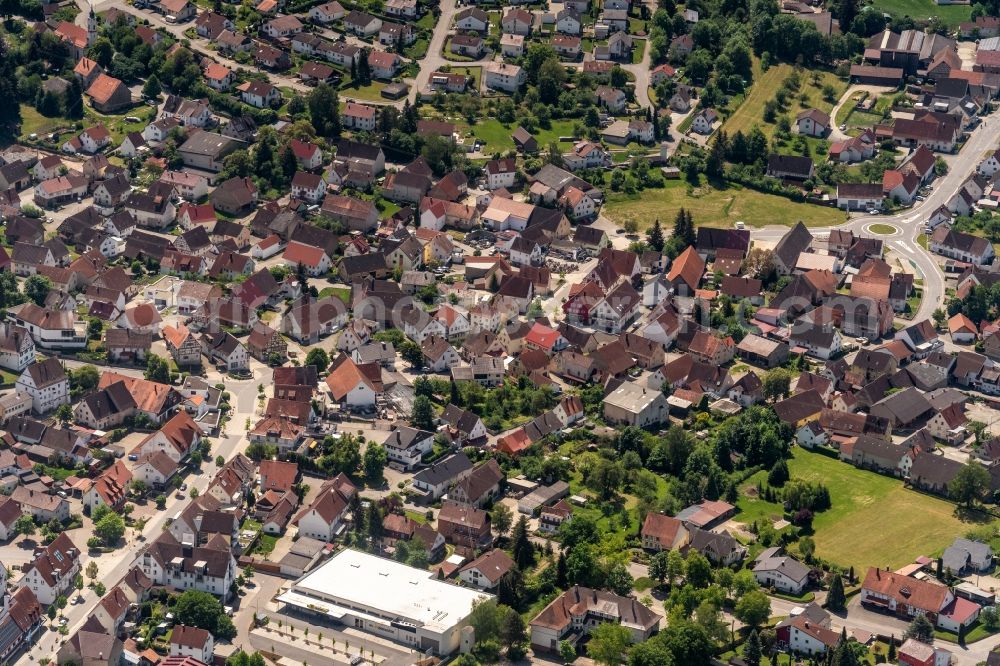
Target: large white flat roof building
{"type": "Point", "coordinates": [386, 598]}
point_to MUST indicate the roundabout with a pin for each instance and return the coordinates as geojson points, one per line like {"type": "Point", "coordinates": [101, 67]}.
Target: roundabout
{"type": "Point", "coordinates": [882, 229]}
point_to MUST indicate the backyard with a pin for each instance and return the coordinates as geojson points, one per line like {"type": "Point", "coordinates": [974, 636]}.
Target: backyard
{"type": "Point", "coordinates": [33, 122]}
{"type": "Point", "coordinates": [716, 207]}
{"type": "Point", "coordinates": [497, 135]}
{"type": "Point", "coordinates": [751, 111]}
{"type": "Point", "coordinates": [857, 119]}
{"type": "Point", "coordinates": [370, 93]}
{"type": "Point", "coordinates": [874, 520]}
{"type": "Point", "coordinates": [475, 72]}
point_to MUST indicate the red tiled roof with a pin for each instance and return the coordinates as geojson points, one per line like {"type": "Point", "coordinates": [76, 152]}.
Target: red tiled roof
{"type": "Point", "coordinates": [300, 253]}
{"type": "Point", "coordinates": [103, 88]}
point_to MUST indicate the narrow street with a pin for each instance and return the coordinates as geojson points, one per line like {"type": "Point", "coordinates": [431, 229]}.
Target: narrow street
{"type": "Point", "coordinates": [116, 564]}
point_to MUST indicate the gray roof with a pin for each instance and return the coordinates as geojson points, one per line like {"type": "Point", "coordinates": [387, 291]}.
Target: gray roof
{"type": "Point", "coordinates": [905, 406]}
{"type": "Point", "coordinates": [783, 564]}
{"type": "Point", "coordinates": [459, 418]}
{"type": "Point", "coordinates": [444, 470]}
{"type": "Point", "coordinates": [207, 143]}
{"type": "Point", "coordinates": [404, 437]}
{"type": "Point", "coordinates": [956, 556]}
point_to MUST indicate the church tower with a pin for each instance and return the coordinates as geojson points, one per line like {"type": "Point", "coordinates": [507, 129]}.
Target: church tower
{"type": "Point", "coordinates": [91, 27]}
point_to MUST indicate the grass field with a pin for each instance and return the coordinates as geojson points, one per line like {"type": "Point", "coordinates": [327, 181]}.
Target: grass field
{"type": "Point", "coordinates": [859, 119]}
{"type": "Point", "coordinates": [874, 520]}
{"type": "Point", "coordinates": [924, 9]}
{"type": "Point", "coordinates": [751, 112]}
{"type": "Point", "coordinates": [33, 122]}
{"type": "Point", "coordinates": [882, 229]}
{"type": "Point", "coordinates": [371, 92]}
{"type": "Point", "coordinates": [716, 208]}
{"type": "Point", "coordinates": [497, 136]}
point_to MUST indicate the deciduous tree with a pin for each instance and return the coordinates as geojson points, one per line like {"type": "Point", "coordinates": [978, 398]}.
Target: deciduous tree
{"type": "Point", "coordinates": [609, 643]}
{"type": "Point", "coordinates": [970, 484]}
{"type": "Point", "coordinates": [753, 608]}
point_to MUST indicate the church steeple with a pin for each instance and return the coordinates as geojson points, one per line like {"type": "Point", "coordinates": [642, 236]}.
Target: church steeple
{"type": "Point", "coordinates": [91, 26]}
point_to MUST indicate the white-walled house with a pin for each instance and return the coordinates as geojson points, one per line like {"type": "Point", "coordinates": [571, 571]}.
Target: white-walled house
{"type": "Point", "coordinates": [52, 571]}
{"type": "Point", "coordinates": [781, 572]}
{"type": "Point", "coordinates": [17, 349]}
{"type": "Point", "coordinates": [324, 518]}
{"type": "Point", "coordinates": [47, 384]}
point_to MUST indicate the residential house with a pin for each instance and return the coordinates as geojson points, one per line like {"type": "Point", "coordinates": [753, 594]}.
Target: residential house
{"type": "Point", "coordinates": [812, 122]}
{"type": "Point", "coordinates": [47, 384]}
{"type": "Point", "coordinates": [576, 612]}
{"type": "Point", "coordinates": [464, 525]}
{"type": "Point", "coordinates": [780, 572]}
{"type": "Point", "coordinates": [52, 570]}
{"type": "Point", "coordinates": [324, 518]}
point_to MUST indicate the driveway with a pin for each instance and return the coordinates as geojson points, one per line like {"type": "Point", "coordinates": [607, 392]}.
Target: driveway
{"type": "Point", "coordinates": [846, 98]}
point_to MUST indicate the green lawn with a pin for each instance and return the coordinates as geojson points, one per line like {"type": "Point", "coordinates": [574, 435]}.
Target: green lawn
{"type": "Point", "coordinates": [921, 10]}
{"type": "Point", "coordinates": [874, 520]}
{"type": "Point", "coordinates": [859, 119]}
{"type": "Point", "coordinates": [475, 72]}
{"type": "Point", "coordinates": [33, 122]}
{"type": "Point", "coordinates": [343, 293]}
{"type": "Point", "coordinates": [56, 473]}
{"type": "Point", "coordinates": [717, 208]}
{"type": "Point", "coordinates": [638, 51]}
{"type": "Point", "coordinates": [882, 229]}
{"type": "Point", "coordinates": [418, 49]}
{"type": "Point", "coordinates": [427, 21]}
{"type": "Point", "coordinates": [856, 119]}
{"type": "Point", "coordinates": [685, 124]}
{"type": "Point", "coordinates": [497, 136]}
{"type": "Point", "coordinates": [751, 112]}
{"type": "Point", "coordinates": [117, 125]}
{"type": "Point", "coordinates": [416, 516]}
{"type": "Point", "coordinates": [265, 544]}
{"type": "Point", "coordinates": [371, 92]}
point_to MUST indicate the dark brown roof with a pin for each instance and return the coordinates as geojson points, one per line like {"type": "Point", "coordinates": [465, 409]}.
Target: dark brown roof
{"type": "Point", "coordinates": [792, 244]}
{"type": "Point", "coordinates": [799, 406]}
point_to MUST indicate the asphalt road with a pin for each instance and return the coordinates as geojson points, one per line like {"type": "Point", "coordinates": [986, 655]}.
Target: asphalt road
{"type": "Point", "coordinates": [910, 223]}
{"type": "Point", "coordinates": [113, 566]}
